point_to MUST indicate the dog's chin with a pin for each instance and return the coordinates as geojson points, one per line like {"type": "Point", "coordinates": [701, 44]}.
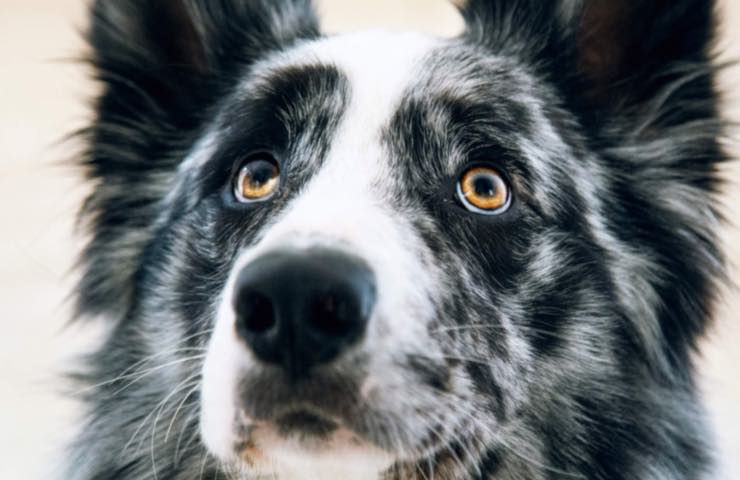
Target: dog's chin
{"type": "Point", "coordinates": [303, 444]}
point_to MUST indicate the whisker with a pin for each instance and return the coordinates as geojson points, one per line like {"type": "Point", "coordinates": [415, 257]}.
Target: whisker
{"type": "Point", "coordinates": [186, 423]}
{"type": "Point", "coordinates": [459, 358]}
{"type": "Point", "coordinates": [203, 465]}
{"type": "Point", "coordinates": [152, 412]}
{"type": "Point", "coordinates": [517, 453]}
{"type": "Point", "coordinates": [434, 430]}
{"type": "Point", "coordinates": [179, 407]}
{"type": "Point", "coordinates": [148, 372]}
{"type": "Point", "coordinates": [131, 369]}
{"type": "Point", "coordinates": [188, 384]}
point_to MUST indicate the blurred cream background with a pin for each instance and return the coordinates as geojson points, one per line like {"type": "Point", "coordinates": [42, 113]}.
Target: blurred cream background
{"type": "Point", "coordinates": [43, 97]}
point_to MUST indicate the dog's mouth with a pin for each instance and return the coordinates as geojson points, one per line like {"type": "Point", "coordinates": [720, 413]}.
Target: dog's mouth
{"type": "Point", "coordinates": [332, 414]}
{"type": "Point", "coordinates": [305, 436]}
{"type": "Point", "coordinates": [308, 416]}
{"type": "Point", "coordinates": [311, 430]}
{"type": "Point", "coordinates": [305, 424]}
{"type": "Point", "coordinates": [302, 426]}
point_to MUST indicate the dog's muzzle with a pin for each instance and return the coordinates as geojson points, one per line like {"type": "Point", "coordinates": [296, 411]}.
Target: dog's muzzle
{"type": "Point", "coordinates": [300, 310]}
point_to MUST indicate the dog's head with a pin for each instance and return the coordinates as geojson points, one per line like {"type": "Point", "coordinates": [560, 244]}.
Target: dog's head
{"type": "Point", "coordinates": [388, 249]}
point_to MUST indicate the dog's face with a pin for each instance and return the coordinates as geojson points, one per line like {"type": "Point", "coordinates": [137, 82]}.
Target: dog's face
{"type": "Point", "coordinates": [388, 250]}
{"type": "Point", "coordinates": [382, 211]}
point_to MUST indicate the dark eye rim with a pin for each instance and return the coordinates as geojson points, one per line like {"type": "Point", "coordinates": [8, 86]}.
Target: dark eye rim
{"type": "Point", "coordinates": [459, 198]}
{"type": "Point", "coordinates": [254, 155]}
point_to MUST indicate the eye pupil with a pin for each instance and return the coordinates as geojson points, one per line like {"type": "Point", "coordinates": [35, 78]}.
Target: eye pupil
{"type": "Point", "coordinates": [484, 186]}
{"type": "Point", "coordinates": [261, 172]}
{"type": "Point", "coordinates": [483, 190]}
{"type": "Point", "coordinates": [258, 179]}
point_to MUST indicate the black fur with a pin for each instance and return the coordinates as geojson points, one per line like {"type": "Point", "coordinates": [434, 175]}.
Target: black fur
{"type": "Point", "coordinates": [564, 329]}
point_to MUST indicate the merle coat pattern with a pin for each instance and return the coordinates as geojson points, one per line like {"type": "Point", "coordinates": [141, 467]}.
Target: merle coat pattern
{"type": "Point", "coordinates": [553, 341]}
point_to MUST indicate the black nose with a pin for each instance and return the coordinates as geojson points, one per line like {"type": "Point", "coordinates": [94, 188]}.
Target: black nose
{"type": "Point", "coordinates": [302, 309]}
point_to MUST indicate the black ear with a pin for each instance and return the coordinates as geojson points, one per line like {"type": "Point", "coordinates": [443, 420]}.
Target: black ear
{"type": "Point", "coordinates": [614, 53]}
{"type": "Point", "coordinates": [163, 64]}
{"type": "Point", "coordinates": [170, 57]}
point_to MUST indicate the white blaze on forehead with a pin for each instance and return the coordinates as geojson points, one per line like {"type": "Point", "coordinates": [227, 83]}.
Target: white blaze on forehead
{"type": "Point", "coordinates": [380, 66]}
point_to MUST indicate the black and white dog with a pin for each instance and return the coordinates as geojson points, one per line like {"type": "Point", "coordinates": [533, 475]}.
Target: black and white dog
{"type": "Point", "coordinates": [393, 256]}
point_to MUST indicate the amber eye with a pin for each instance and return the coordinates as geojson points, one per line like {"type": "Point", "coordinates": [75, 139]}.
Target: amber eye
{"type": "Point", "coordinates": [484, 190]}
{"type": "Point", "coordinates": [258, 179]}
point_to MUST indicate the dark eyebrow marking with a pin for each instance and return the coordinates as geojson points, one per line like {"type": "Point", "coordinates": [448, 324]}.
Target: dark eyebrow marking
{"type": "Point", "coordinates": [429, 129]}
{"type": "Point", "coordinates": [304, 94]}
{"type": "Point", "coordinates": [489, 112]}
{"type": "Point", "coordinates": [292, 111]}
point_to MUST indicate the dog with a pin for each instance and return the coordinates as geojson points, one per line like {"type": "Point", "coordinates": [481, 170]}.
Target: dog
{"type": "Point", "coordinates": [392, 256]}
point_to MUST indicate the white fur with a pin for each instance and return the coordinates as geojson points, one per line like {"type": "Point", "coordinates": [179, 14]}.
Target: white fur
{"type": "Point", "coordinates": [342, 208]}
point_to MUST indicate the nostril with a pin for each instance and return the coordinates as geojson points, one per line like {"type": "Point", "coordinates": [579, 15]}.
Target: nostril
{"type": "Point", "coordinates": [332, 314]}
{"type": "Point", "coordinates": [256, 313]}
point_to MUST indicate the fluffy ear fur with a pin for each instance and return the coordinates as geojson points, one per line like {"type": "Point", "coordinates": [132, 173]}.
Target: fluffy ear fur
{"type": "Point", "coordinates": [170, 54]}
{"type": "Point", "coordinates": [616, 54]}
{"type": "Point", "coordinates": [638, 75]}
{"type": "Point", "coordinates": [163, 64]}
